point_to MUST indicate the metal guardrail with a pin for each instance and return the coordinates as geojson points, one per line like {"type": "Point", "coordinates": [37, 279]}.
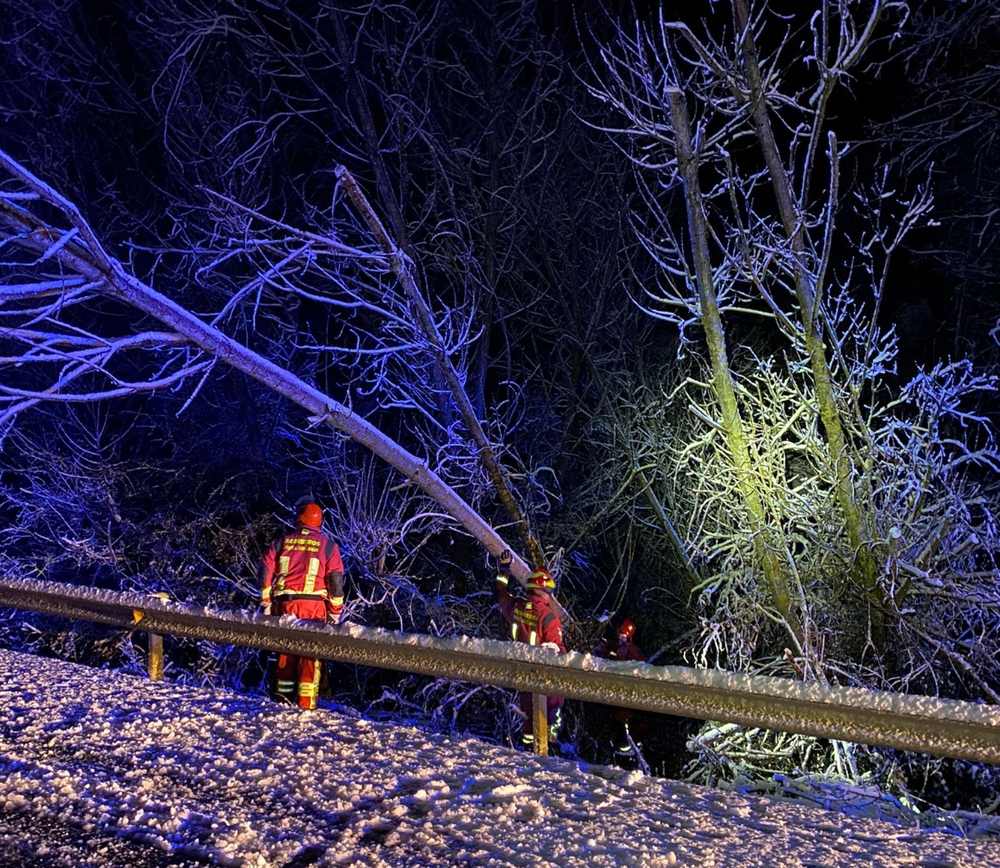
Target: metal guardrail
{"type": "Point", "coordinates": [943, 727]}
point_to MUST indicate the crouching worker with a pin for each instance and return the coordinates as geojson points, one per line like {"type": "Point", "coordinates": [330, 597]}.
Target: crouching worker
{"type": "Point", "coordinates": [623, 647]}
{"type": "Point", "coordinates": [533, 619]}
{"type": "Point", "coordinates": [302, 574]}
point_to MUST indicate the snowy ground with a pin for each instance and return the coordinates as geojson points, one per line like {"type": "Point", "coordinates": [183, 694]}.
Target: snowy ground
{"type": "Point", "coordinates": [98, 768]}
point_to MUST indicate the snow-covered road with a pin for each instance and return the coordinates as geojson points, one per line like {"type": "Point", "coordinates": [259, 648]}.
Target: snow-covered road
{"type": "Point", "coordinates": [107, 769]}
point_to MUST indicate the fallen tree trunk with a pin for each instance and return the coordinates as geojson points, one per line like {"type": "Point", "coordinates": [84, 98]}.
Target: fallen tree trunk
{"type": "Point", "coordinates": [400, 265]}
{"type": "Point", "coordinates": [84, 255]}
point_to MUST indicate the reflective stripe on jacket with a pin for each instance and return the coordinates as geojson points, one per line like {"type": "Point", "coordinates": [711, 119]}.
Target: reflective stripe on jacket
{"type": "Point", "coordinates": [303, 565]}
{"type": "Point", "coordinates": [618, 650]}
{"type": "Point", "coordinates": [533, 620]}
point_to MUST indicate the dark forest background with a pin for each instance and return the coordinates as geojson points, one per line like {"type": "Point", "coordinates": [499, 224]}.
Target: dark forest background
{"type": "Point", "coordinates": [527, 160]}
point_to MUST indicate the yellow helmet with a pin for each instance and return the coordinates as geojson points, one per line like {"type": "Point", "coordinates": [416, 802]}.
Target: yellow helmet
{"type": "Point", "coordinates": [541, 579]}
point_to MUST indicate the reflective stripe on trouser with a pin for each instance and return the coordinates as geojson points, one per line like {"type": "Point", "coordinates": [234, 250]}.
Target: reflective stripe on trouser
{"type": "Point", "coordinates": [301, 671]}
{"type": "Point", "coordinates": [309, 674]}
{"type": "Point", "coordinates": [553, 713]}
{"type": "Point", "coordinates": [287, 675]}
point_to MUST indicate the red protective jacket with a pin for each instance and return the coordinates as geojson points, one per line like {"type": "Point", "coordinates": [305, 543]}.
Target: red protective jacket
{"type": "Point", "coordinates": [534, 619]}
{"type": "Point", "coordinates": [303, 565]}
{"type": "Point", "coordinates": [618, 650]}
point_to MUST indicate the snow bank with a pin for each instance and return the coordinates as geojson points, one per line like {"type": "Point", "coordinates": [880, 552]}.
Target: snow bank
{"type": "Point", "coordinates": [104, 757]}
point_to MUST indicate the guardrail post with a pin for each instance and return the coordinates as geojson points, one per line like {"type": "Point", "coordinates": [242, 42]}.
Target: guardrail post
{"type": "Point", "coordinates": [154, 644]}
{"type": "Point", "coordinates": [154, 660]}
{"type": "Point", "coordinates": [540, 723]}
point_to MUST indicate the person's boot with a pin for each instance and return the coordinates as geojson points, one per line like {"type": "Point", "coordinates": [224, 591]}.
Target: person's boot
{"type": "Point", "coordinates": [624, 746]}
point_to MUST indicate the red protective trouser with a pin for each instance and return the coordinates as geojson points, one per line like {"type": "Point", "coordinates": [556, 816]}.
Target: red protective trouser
{"type": "Point", "coordinates": [300, 674]}
{"type": "Point", "coordinates": [553, 707]}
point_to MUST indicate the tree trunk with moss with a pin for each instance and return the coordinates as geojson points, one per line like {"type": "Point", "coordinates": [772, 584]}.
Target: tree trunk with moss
{"type": "Point", "coordinates": [767, 549]}
{"type": "Point", "coordinates": [865, 566]}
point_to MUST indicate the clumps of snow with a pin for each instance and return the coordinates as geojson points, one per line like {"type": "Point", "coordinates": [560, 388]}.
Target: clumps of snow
{"type": "Point", "coordinates": [869, 801]}
{"type": "Point", "coordinates": [198, 774]}
{"type": "Point", "coordinates": [507, 793]}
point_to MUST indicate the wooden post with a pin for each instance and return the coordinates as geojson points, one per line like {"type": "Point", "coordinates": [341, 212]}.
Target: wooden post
{"type": "Point", "coordinates": [154, 660]}
{"type": "Point", "coordinates": [540, 723]}
{"type": "Point", "coordinates": [154, 657]}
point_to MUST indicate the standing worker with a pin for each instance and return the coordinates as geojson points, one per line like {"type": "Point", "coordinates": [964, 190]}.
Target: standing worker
{"type": "Point", "coordinates": [302, 574]}
{"type": "Point", "coordinates": [533, 619]}
{"type": "Point", "coordinates": [623, 647]}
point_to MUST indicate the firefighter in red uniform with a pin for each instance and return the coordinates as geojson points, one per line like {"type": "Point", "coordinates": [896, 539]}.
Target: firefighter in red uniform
{"type": "Point", "coordinates": [622, 648]}
{"type": "Point", "coordinates": [534, 619]}
{"type": "Point", "coordinates": [302, 574]}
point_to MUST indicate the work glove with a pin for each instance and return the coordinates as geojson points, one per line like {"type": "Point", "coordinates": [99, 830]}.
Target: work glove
{"type": "Point", "coordinates": [334, 613]}
{"type": "Point", "coordinates": [503, 566]}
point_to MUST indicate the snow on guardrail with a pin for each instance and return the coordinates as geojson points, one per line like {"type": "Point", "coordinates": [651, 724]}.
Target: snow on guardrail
{"type": "Point", "coordinates": [943, 727]}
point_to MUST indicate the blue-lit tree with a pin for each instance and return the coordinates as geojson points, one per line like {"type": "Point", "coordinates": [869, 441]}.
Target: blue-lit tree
{"type": "Point", "coordinates": [280, 265]}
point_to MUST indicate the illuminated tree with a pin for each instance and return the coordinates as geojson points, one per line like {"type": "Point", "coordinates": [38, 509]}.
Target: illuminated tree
{"type": "Point", "coordinates": [799, 265]}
